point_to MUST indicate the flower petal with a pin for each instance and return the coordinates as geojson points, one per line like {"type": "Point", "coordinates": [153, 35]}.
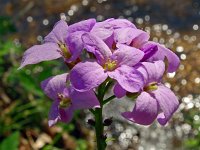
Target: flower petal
{"type": "Point", "coordinates": [126, 55]}
{"type": "Point", "coordinates": [57, 114]}
{"type": "Point", "coordinates": [75, 44]}
{"type": "Point", "coordinates": [141, 68]}
{"type": "Point", "coordinates": [173, 60]}
{"type": "Point", "coordinates": [102, 33]}
{"type": "Point", "coordinates": [149, 50]}
{"type": "Point", "coordinates": [154, 71]}
{"type": "Point", "coordinates": [39, 53]}
{"type": "Point", "coordinates": [54, 115]}
{"type": "Point", "coordinates": [145, 110]}
{"type": "Point", "coordinates": [103, 29]}
{"type": "Point", "coordinates": [167, 101]}
{"type": "Point", "coordinates": [66, 115]}
{"type": "Point", "coordinates": [87, 75]}
{"type": "Point", "coordinates": [85, 25]}
{"type": "Point", "coordinates": [54, 85]}
{"type": "Point", "coordinates": [119, 91]}
{"type": "Point", "coordinates": [130, 36]}
{"type": "Point", "coordinates": [140, 40]}
{"type": "Point", "coordinates": [128, 77]}
{"type": "Point", "coordinates": [83, 100]}
{"type": "Point", "coordinates": [58, 33]}
{"type": "Point", "coordinates": [96, 46]}
{"type": "Point", "coordinates": [121, 23]}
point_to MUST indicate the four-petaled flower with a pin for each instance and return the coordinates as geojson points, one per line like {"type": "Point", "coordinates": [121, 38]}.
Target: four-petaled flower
{"type": "Point", "coordinates": [63, 41]}
{"type": "Point", "coordinates": [155, 100]}
{"type": "Point", "coordinates": [66, 99]}
{"type": "Point", "coordinates": [117, 65]}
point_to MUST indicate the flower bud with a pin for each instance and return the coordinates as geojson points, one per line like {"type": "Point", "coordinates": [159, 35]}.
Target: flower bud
{"type": "Point", "coordinates": [107, 122]}
{"type": "Point", "coordinates": [91, 122]}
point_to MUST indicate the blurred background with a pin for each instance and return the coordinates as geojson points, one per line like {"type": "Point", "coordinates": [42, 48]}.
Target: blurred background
{"type": "Point", "coordinates": [24, 108]}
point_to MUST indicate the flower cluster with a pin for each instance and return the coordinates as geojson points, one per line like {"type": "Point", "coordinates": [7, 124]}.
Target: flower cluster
{"type": "Point", "coordinates": [113, 50]}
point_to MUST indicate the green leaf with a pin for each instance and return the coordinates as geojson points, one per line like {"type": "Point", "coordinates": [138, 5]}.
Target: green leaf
{"type": "Point", "coordinates": [110, 139]}
{"type": "Point", "coordinates": [11, 142]}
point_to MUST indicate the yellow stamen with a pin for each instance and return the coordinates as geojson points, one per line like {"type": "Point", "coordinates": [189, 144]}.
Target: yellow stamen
{"type": "Point", "coordinates": [110, 65]}
{"type": "Point", "coordinates": [64, 101]}
{"type": "Point", "coordinates": [151, 87]}
{"type": "Point", "coordinates": [65, 50]}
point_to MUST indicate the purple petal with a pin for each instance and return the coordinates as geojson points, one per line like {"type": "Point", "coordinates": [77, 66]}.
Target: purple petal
{"type": "Point", "coordinates": [128, 77]}
{"type": "Point", "coordinates": [83, 100]}
{"type": "Point", "coordinates": [145, 110]}
{"type": "Point", "coordinates": [121, 23]}
{"type": "Point", "coordinates": [102, 33]}
{"type": "Point", "coordinates": [110, 42]}
{"type": "Point", "coordinates": [54, 85]}
{"type": "Point", "coordinates": [167, 101]}
{"type": "Point", "coordinates": [154, 71]}
{"type": "Point", "coordinates": [75, 44]}
{"type": "Point", "coordinates": [87, 75]}
{"type": "Point", "coordinates": [173, 60]}
{"type": "Point", "coordinates": [66, 115]}
{"type": "Point", "coordinates": [103, 29]}
{"type": "Point", "coordinates": [96, 46]}
{"type": "Point", "coordinates": [130, 36]}
{"type": "Point", "coordinates": [149, 50]}
{"type": "Point", "coordinates": [119, 91]}
{"type": "Point", "coordinates": [126, 55]}
{"type": "Point", "coordinates": [143, 71]}
{"type": "Point", "coordinates": [140, 40]}
{"type": "Point", "coordinates": [58, 34]}
{"type": "Point", "coordinates": [39, 53]}
{"type": "Point", "coordinates": [56, 114]}
{"type": "Point", "coordinates": [85, 25]}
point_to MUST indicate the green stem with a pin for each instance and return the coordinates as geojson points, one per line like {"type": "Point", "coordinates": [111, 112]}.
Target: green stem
{"type": "Point", "coordinates": [99, 128]}
{"type": "Point", "coordinates": [109, 99]}
{"type": "Point", "coordinates": [92, 111]}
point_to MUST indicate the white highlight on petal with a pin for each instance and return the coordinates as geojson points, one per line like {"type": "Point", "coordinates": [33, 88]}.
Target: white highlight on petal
{"type": "Point", "coordinates": [171, 75]}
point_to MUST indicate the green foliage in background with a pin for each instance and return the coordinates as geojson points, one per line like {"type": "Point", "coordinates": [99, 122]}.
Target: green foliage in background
{"type": "Point", "coordinates": [11, 142]}
{"type": "Point", "coordinates": [6, 25]}
{"type": "Point", "coordinates": [193, 140]}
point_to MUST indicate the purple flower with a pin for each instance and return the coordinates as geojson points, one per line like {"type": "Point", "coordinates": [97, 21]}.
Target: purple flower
{"type": "Point", "coordinates": [105, 29]}
{"type": "Point", "coordinates": [153, 51]}
{"type": "Point", "coordinates": [155, 100]}
{"type": "Point", "coordinates": [66, 99]}
{"type": "Point", "coordinates": [63, 41]}
{"type": "Point", "coordinates": [117, 65]}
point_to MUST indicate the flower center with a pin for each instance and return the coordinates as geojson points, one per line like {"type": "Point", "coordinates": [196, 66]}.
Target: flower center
{"type": "Point", "coordinates": [151, 87]}
{"type": "Point", "coordinates": [65, 102]}
{"type": "Point", "coordinates": [64, 50]}
{"type": "Point", "coordinates": [110, 65]}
